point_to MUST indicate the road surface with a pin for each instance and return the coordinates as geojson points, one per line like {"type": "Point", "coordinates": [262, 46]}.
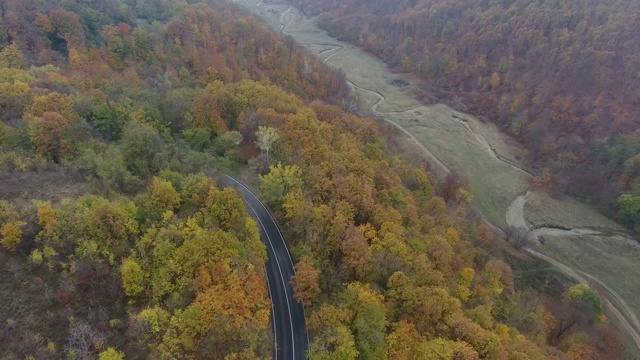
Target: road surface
{"type": "Point", "coordinates": [289, 327]}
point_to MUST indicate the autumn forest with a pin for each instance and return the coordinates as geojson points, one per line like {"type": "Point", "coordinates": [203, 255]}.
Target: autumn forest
{"type": "Point", "coordinates": [118, 241]}
{"type": "Point", "coordinates": [559, 76]}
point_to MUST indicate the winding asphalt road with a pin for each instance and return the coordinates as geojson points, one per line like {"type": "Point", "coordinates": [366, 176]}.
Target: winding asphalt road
{"type": "Point", "coordinates": [289, 327]}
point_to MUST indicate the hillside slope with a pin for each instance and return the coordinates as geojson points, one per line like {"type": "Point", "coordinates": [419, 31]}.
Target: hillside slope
{"type": "Point", "coordinates": [562, 77]}
{"type": "Point", "coordinates": [144, 256]}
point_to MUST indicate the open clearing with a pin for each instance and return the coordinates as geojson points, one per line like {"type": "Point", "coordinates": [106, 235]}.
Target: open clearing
{"type": "Point", "coordinates": [542, 210]}
{"type": "Point", "coordinates": [490, 160]}
{"type": "Point", "coordinates": [49, 183]}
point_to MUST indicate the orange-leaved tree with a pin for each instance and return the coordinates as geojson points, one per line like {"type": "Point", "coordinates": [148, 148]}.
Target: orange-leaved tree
{"type": "Point", "coordinates": [305, 281]}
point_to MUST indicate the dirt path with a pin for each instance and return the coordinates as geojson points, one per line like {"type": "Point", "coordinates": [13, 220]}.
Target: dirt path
{"type": "Point", "coordinates": [374, 111]}
{"type": "Point", "coordinates": [285, 21]}
{"type": "Point", "coordinates": [285, 18]}
{"type": "Point", "coordinates": [515, 218]}
{"type": "Point", "coordinates": [288, 17]}
{"type": "Point", "coordinates": [627, 320]}
{"type": "Point", "coordinates": [341, 49]}
{"type": "Point", "coordinates": [626, 317]}
{"type": "Point", "coordinates": [515, 213]}
{"type": "Point", "coordinates": [489, 149]}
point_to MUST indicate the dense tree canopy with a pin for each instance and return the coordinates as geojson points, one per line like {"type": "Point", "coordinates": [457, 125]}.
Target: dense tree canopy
{"type": "Point", "coordinates": [562, 77]}
{"type": "Point", "coordinates": [131, 251]}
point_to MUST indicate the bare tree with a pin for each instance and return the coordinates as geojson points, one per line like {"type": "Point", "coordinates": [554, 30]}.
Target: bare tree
{"type": "Point", "coordinates": [82, 340]}
{"type": "Point", "coordinates": [266, 136]}
{"type": "Point", "coordinates": [574, 312]}
{"type": "Point", "coordinates": [518, 236]}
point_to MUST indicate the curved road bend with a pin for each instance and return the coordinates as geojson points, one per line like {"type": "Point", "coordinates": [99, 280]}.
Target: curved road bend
{"type": "Point", "coordinates": [289, 327]}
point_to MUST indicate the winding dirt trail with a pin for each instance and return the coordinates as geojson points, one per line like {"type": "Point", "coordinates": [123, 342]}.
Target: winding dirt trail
{"type": "Point", "coordinates": [285, 18]}
{"type": "Point", "coordinates": [626, 317]}
{"type": "Point", "coordinates": [515, 218]}
{"type": "Point", "coordinates": [374, 110]}
{"type": "Point", "coordinates": [515, 213]}
{"type": "Point", "coordinates": [489, 149]}
{"type": "Point", "coordinates": [341, 49]}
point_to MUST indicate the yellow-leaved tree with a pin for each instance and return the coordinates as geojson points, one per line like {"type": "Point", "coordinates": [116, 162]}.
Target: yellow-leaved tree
{"type": "Point", "coordinates": [132, 277]}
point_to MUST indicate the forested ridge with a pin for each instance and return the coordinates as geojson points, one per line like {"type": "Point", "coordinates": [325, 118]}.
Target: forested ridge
{"type": "Point", "coordinates": [115, 244]}
{"type": "Point", "coordinates": [561, 77]}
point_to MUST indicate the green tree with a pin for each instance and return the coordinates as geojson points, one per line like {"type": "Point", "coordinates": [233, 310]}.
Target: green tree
{"type": "Point", "coordinates": [10, 223]}
{"type": "Point", "coordinates": [226, 144]}
{"type": "Point", "coordinates": [109, 119]}
{"type": "Point", "coordinates": [15, 93]}
{"type": "Point", "coordinates": [629, 209]}
{"type": "Point", "coordinates": [110, 169]}
{"type": "Point", "coordinates": [199, 139]}
{"type": "Point", "coordinates": [7, 212]}
{"type": "Point", "coordinates": [175, 106]}
{"type": "Point", "coordinates": [182, 332]}
{"type": "Point", "coordinates": [156, 318]}
{"type": "Point", "coordinates": [499, 277]}
{"type": "Point", "coordinates": [142, 148]}
{"type": "Point", "coordinates": [402, 296]}
{"type": "Point", "coordinates": [279, 181]}
{"type": "Point", "coordinates": [111, 354]}
{"type": "Point", "coordinates": [580, 306]}
{"type": "Point", "coordinates": [437, 349]}
{"type": "Point", "coordinates": [224, 210]}
{"type": "Point", "coordinates": [425, 190]}
{"type": "Point", "coordinates": [369, 330]}
{"type": "Point", "coordinates": [334, 344]}
{"type": "Point", "coordinates": [11, 57]}
{"type": "Point", "coordinates": [464, 279]}
{"type": "Point", "coordinates": [164, 195]}
{"type": "Point", "coordinates": [585, 293]}
{"type": "Point", "coordinates": [132, 277]}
